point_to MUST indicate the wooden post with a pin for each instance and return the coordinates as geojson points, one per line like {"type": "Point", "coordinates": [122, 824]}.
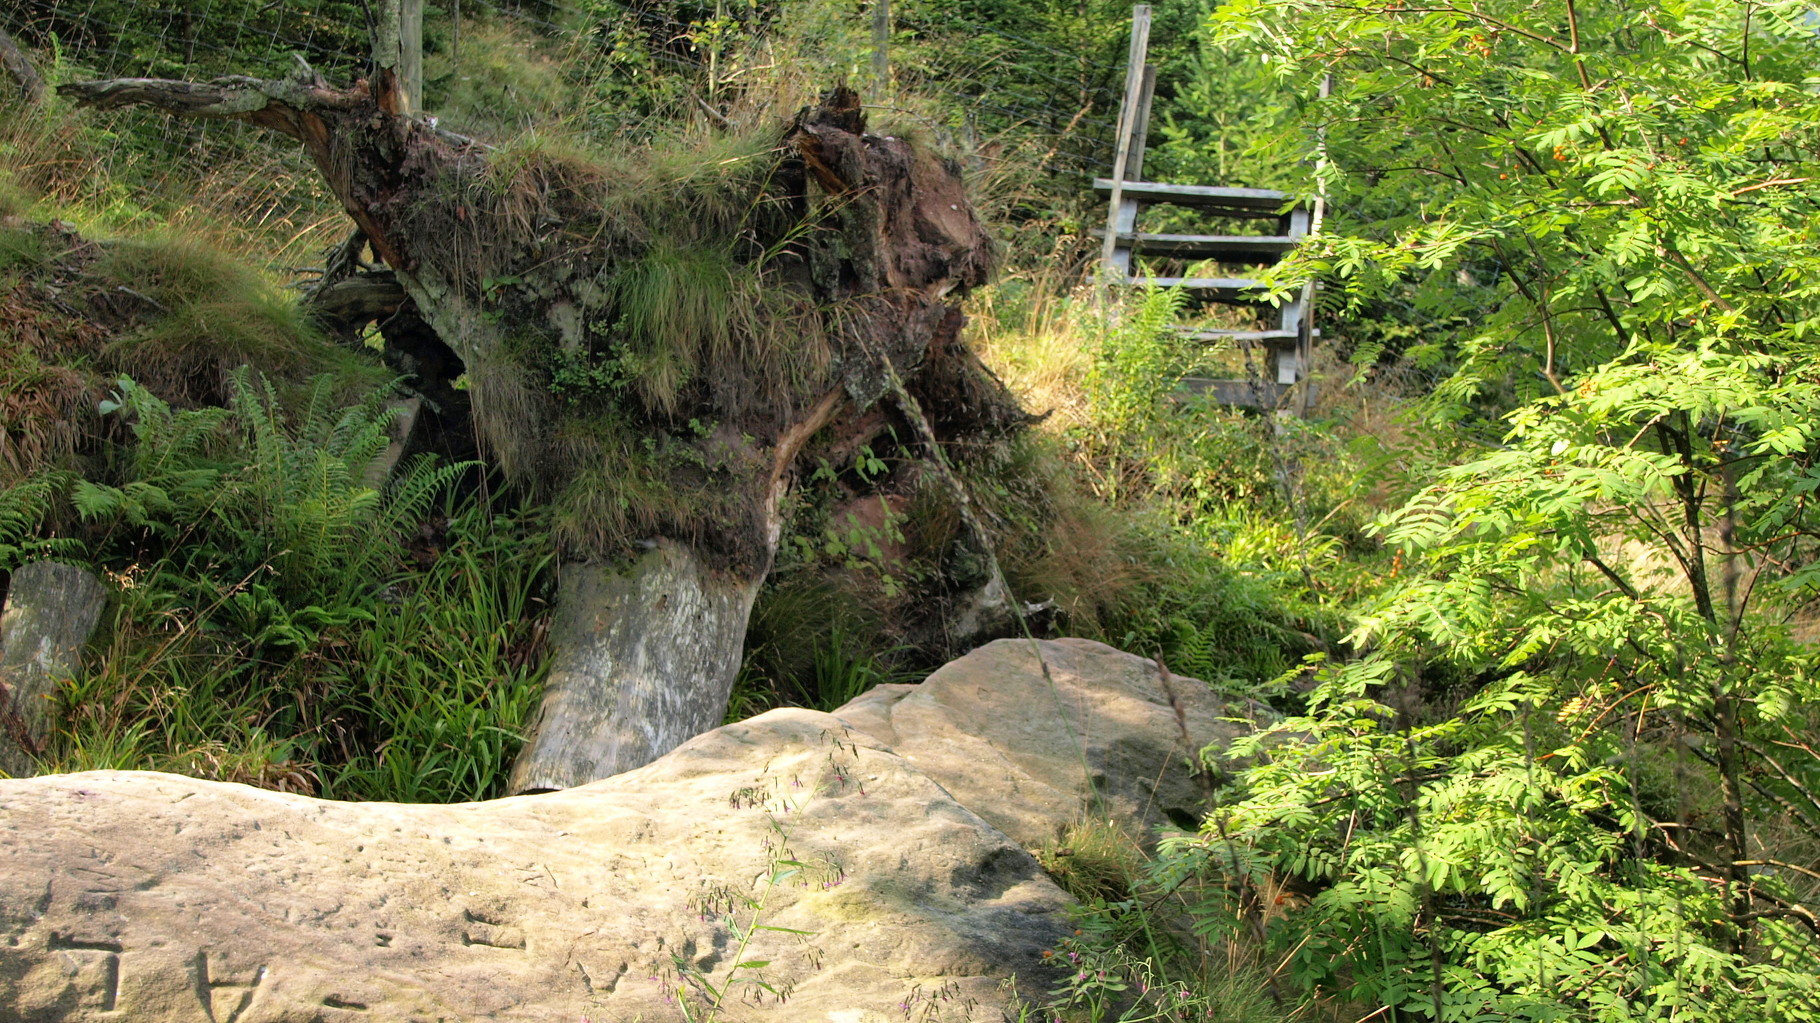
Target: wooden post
{"type": "Point", "coordinates": [1128, 114]}
{"type": "Point", "coordinates": [1126, 212]}
{"type": "Point", "coordinates": [881, 47]}
{"type": "Point", "coordinates": [1140, 128]}
{"type": "Point", "coordinates": [1305, 336]}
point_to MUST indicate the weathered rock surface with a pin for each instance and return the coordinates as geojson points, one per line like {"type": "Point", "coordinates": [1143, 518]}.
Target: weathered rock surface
{"type": "Point", "coordinates": [1105, 736]}
{"type": "Point", "coordinates": [51, 610]}
{"type": "Point", "coordinates": [152, 898]}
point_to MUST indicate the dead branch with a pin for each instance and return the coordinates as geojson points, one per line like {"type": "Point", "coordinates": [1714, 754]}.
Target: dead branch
{"type": "Point", "coordinates": [356, 300]}
{"type": "Point", "coordinates": [278, 104]}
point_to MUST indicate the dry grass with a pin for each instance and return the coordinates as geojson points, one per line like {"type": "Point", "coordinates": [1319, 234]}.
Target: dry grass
{"type": "Point", "coordinates": [506, 81]}
{"type": "Point", "coordinates": [44, 413]}
{"type": "Point", "coordinates": [1095, 859]}
{"type": "Point", "coordinates": [128, 172]}
{"type": "Point", "coordinates": [1037, 346]}
{"type": "Point", "coordinates": [197, 226]}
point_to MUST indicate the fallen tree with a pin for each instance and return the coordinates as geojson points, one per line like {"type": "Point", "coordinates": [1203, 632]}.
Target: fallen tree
{"type": "Point", "coordinates": [654, 350]}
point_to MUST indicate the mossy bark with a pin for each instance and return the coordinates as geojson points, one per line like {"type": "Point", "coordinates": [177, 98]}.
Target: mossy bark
{"type": "Point", "coordinates": [846, 253]}
{"type": "Point", "coordinates": [18, 67]}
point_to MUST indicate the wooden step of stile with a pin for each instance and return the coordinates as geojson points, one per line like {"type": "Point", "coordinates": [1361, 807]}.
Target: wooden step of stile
{"type": "Point", "coordinates": [1219, 200]}
{"type": "Point", "coordinates": [1222, 248]}
{"type": "Point", "coordinates": [1219, 289]}
{"type": "Point", "coordinates": [1273, 338]}
{"type": "Point", "coordinates": [1243, 393]}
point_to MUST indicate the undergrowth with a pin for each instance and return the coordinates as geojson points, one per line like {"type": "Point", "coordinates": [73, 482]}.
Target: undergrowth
{"type": "Point", "coordinates": [283, 623]}
{"type": "Point", "coordinates": [279, 619]}
{"type": "Point", "coordinates": [1501, 790]}
{"type": "Point", "coordinates": [1227, 545]}
{"type": "Point", "coordinates": [1220, 541]}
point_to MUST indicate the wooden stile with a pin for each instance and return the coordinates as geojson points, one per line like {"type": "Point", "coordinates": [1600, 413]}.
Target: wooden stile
{"type": "Point", "coordinates": [1287, 342]}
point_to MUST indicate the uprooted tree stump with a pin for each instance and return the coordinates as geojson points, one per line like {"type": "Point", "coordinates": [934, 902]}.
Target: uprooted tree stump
{"type": "Point", "coordinates": [654, 351]}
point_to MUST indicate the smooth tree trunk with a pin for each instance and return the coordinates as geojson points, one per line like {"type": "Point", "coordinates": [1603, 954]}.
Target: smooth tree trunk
{"type": "Point", "coordinates": [51, 611]}
{"type": "Point", "coordinates": [643, 658]}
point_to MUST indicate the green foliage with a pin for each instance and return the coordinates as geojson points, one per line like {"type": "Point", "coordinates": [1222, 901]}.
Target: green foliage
{"type": "Point", "coordinates": [843, 672]}
{"type": "Point", "coordinates": [1225, 106]}
{"type": "Point", "coordinates": [1134, 955]}
{"type": "Point", "coordinates": [1543, 789]}
{"type": "Point", "coordinates": [147, 173]}
{"type": "Point", "coordinates": [25, 507]}
{"type": "Point", "coordinates": [446, 680]}
{"type": "Point", "coordinates": [13, 201]}
{"type": "Point", "coordinates": [814, 643]}
{"type": "Point", "coordinates": [1605, 200]}
{"type": "Point", "coordinates": [1094, 860]}
{"type": "Point", "coordinates": [252, 494]}
{"type": "Point", "coordinates": [1158, 524]}
{"type": "Point", "coordinates": [1135, 369]}
{"type": "Point", "coordinates": [1204, 617]}
{"type": "Point", "coordinates": [1102, 981]}
{"type": "Point", "coordinates": [21, 249]}
{"type": "Point", "coordinates": [1562, 769]}
{"type": "Point", "coordinates": [269, 627]}
{"type": "Point", "coordinates": [504, 80]}
{"type": "Point", "coordinates": [863, 534]}
{"type": "Point", "coordinates": [676, 305]}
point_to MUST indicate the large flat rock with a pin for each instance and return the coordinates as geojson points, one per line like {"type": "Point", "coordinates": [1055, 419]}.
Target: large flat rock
{"type": "Point", "coordinates": [1100, 735]}
{"type": "Point", "coordinates": [152, 897]}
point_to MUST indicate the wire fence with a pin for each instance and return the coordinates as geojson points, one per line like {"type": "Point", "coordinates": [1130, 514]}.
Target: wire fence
{"type": "Point", "coordinates": [167, 39]}
{"type": "Point", "coordinates": [1013, 88]}
{"type": "Point", "coordinates": [1033, 119]}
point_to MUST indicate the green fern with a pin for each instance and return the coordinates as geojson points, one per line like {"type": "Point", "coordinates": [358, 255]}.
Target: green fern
{"type": "Point", "coordinates": [304, 508]}
{"type": "Point", "coordinates": [262, 502]}
{"type": "Point", "coordinates": [24, 508]}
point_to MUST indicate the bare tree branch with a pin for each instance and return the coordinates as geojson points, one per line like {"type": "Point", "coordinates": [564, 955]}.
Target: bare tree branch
{"type": "Point", "coordinates": [279, 104]}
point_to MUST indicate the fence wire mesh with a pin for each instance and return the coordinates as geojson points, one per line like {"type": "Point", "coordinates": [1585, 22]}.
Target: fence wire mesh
{"type": "Point", "coordinates": [1007, 83]}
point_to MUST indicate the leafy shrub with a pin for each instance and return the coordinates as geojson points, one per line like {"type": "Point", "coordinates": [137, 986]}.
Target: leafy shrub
{"type": "Point", "coordinates": [1544, 786]}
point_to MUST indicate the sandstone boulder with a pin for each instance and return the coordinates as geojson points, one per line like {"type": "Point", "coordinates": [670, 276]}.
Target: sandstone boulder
{"type": "Point", "coordinates": [857, 864]}
{"type": "Point", "coordinates": [1103, 735]}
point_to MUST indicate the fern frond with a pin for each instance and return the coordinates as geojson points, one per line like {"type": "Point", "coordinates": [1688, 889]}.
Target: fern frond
{"type": "Point", "coordinates": [24, 508]}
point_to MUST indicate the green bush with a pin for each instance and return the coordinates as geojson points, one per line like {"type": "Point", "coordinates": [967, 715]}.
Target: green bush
{"type": "Point", "coordinates": [1546, 783]}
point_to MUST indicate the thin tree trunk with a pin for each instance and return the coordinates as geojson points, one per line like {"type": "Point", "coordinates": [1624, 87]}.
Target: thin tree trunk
{"type": "Point", "coordinates": [398, 53]}
{"type": "Point", "coordinates": [1690, 489]}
